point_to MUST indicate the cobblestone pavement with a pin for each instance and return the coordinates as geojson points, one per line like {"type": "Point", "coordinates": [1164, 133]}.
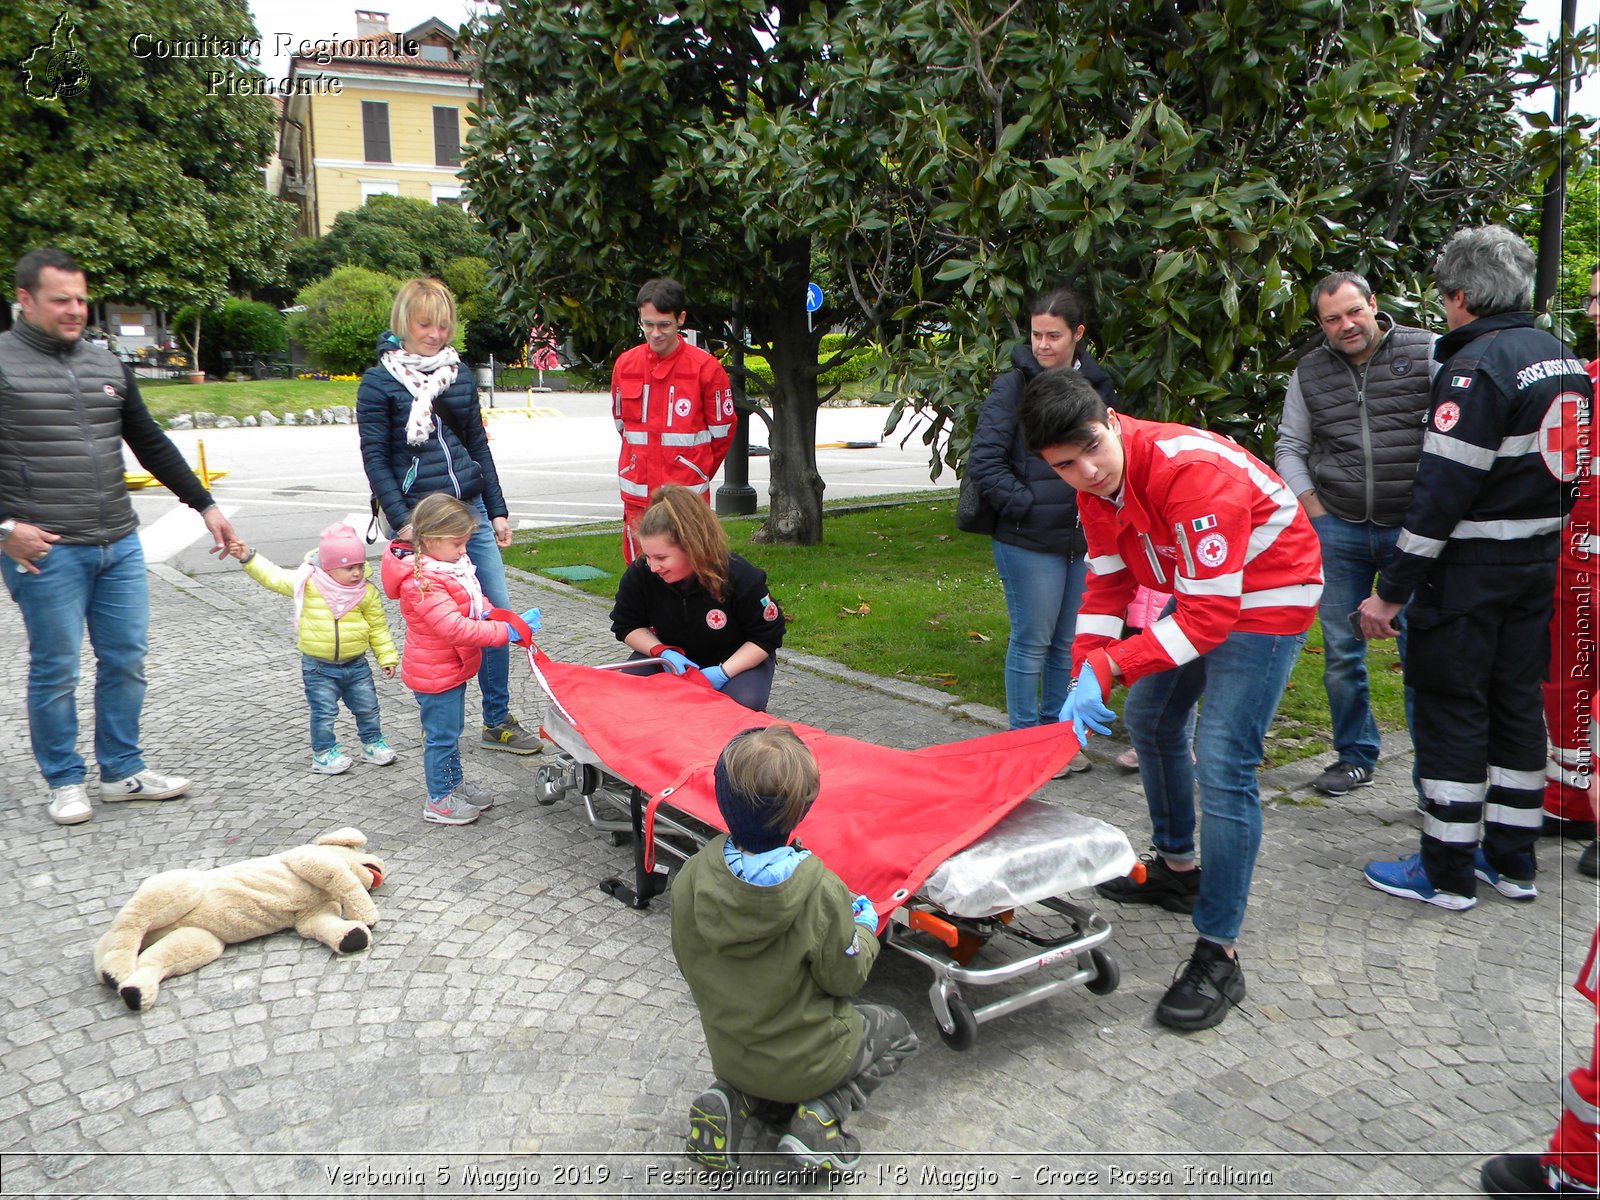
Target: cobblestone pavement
{"type": "Point", "coordinates": [513, 1030]}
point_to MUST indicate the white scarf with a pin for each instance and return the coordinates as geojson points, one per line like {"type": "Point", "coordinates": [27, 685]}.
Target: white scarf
{"type": "Point", "coordinates": [464, 573]}
{"type": "Point", "coordinates": [425, 379]}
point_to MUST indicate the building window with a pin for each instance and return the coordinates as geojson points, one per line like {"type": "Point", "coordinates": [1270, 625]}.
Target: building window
{"type": "Point", "coordinates": [446, 137]}
{"type": "Point", "coordinates": [428, 52]}
{"type": "Point", "coordinates": [375, 130]}
{"type": "Point", "coordinates": [447, 193]}
{"type": "Point", "coordinates": [370, 189]}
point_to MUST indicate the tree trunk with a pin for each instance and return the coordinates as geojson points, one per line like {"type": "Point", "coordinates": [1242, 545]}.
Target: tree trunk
{"type": "Point", "coordinates": [796, 487]}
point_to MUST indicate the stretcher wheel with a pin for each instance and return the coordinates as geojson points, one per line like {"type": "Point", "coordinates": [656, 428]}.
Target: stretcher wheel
{"type": "Point", "coordinates": [547, 784]}
{"type": "Point", "coordinates": [590, 782]}
{"type": "Point", "coordinates": [1107, 973]}
{"type": "Point", "coordinates": [965, 1031]}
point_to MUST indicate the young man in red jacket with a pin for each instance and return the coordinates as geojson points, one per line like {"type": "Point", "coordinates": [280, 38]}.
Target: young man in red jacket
{"type": "Point", "coordinates": [1180, 509]}
{"type": "Point", "coordinates": [673, 406]}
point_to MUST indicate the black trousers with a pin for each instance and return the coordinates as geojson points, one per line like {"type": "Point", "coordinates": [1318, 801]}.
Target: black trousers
{"type": "Point", "coordinates": [1479, 646]}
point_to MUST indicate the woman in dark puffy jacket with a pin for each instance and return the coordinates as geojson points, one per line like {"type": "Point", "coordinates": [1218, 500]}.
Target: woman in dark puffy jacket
{"type": "Point", "coordinates": [421, 433]}
{"type": "Point", "coordinates": [1038, 546]}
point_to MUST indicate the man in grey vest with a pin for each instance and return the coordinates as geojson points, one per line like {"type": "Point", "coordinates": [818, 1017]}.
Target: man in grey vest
{"type": "Point", "coordinates": [1353, 420]}
{"type": "Point", "coordinates": [69, 534]}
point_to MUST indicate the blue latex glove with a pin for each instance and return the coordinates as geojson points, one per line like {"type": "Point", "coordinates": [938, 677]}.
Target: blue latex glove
{"type": "Point", "coordinates": [1085, 709]}
{"type": "Point", "coordinates": [516, 638]}
{"type": "Point", "coordinates": [862, 913]}
{"type": "Point", "coordinates": [678, 662]}
{"type": "Point", "coordinates": [715, 676]}
{"type": "Point", "coordinates": [531, 618]}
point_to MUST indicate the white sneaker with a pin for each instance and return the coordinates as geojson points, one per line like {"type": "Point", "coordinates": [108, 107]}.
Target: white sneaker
{"type": "Point", "coordinates": [69, 804]}
{"type": "Point", "coordinates": [377, 752]}
{"type": "Point", "coordinates": [332, 761]}
{"type": "Point", "coordinates": [146, 785]}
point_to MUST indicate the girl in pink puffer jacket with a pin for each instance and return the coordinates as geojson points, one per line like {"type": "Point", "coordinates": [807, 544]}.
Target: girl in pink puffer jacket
{"type": "Point", "coordinates": [447, 625]}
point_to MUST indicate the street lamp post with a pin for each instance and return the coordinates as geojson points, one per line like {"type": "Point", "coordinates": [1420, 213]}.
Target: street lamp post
{"type": "Point", "coordinates": [736, 498]}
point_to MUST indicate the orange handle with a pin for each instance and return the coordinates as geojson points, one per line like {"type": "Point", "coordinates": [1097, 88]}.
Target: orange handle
{"type": "Point", "coordinates": [934, 927]}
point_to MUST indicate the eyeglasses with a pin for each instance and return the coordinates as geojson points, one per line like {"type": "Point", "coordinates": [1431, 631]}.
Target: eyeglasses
{"type": "Point", "coordinates": [657, 326]}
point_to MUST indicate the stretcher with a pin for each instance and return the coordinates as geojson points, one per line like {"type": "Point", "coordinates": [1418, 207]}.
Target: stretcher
{"type": "Point", "coordinates": [976, 889]}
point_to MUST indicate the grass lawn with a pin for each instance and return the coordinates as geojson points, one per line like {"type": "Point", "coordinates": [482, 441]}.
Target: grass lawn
{"type": "Point", "coordinates": [167, 398]}
{"type": "Point", "coordinates": [897, 591]}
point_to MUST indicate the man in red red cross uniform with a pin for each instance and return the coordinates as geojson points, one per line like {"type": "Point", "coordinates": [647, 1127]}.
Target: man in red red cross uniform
{"type": "Point", "coordinates": [673, 406]}
{"type": "Point", "coordinates": [1570, 686]}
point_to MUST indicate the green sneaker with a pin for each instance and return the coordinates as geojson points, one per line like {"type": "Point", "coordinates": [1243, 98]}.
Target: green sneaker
{"type": "Point", "coordinates": [511, 737]}
{"type": "Point", "coordinates": [816, 1139]}
{"type": "Point", "coordinates": [716, 1123]}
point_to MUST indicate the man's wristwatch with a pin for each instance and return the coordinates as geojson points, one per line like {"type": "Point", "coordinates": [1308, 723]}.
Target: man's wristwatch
{"type": "Point", "coordinates": [7, 528]}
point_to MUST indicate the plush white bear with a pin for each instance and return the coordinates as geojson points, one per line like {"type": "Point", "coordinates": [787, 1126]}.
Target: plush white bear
{"type": "Point", "coordinates": [178, 921]}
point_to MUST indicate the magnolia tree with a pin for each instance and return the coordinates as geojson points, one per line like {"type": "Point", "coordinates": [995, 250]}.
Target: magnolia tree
{"type": "Point", "coordinates": [1192, 167]}
{"type": "Point", "coordinates": [145, 167]}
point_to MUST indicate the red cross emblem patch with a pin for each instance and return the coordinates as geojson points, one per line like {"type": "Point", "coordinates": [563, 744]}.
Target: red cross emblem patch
{"type": "Point", "coordinates": [716, 618]}
{"type": "Point", "coordinates": [1564, 436]}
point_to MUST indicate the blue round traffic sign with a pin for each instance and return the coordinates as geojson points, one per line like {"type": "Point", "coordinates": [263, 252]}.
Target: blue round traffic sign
{"type": "Point", "coordinates": [813, 297]}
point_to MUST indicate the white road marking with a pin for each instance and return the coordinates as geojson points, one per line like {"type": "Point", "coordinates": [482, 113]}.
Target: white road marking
{"type": "Point", "coordinates": [176, 531]}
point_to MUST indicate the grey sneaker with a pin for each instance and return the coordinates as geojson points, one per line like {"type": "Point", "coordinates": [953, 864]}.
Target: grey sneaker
{"type": "Point", "coordinates": [1342, 777]}
{"type": "Point", "coordinates": [716, 1124]}
{"type": "Point", "coordinates": [450, 810]}
{"type": "Point", "coordinates": [511, 737]}
{"type": "Point", "coordinates": [816, 1139]}
{"type": "Point", "coordinates": [146, 785]}
{"type": "Point", "coordinates": [69, 804]}
{"type": "Point", "coordinates": [478, 797]}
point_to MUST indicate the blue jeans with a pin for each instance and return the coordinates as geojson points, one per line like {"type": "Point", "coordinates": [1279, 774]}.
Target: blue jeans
{"type": "Point", "coordinates": [1353, 553]}
{"type": "Point", "coordinates": [443, 715]}
{"type": "Point", "coordinates": [326, 684]}
{"type": "Point", "coordinates": [494, 672]}
{"type": "Point", "coordinates": [1042, 596]}
{"type": "Point", "coordinates": [105, 588]}
{"type": "Point", "coordinates": [1241, 682]}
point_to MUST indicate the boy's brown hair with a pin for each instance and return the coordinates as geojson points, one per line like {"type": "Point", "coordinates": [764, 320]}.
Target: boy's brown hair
{"type": "Point", "coordinates": [766, 781]}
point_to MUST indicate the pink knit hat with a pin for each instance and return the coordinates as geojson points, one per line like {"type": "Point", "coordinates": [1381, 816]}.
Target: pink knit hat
{"type": "Point", "coordinates": [341, 546]}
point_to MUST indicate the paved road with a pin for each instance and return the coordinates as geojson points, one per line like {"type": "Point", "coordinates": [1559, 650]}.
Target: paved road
{"type": "Point", "coordinates": [511, 1022]}
{"type": "Point", "coordinates": [557, 462]}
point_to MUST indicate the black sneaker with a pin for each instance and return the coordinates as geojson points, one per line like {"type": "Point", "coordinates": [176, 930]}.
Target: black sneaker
{"type": "Point", "coordinates": [1341, 778]}
{"type": "Point", "coordinates": [716, 1123]}
{"type": "Point", "coordinates": [1514, 1175]}
{"type": "Point", "coordinates": [1589, 861]}
{"type": "Point", "coordinates": [1175, 891]}
{"type": "Point", "coordinates": [1204, 990]}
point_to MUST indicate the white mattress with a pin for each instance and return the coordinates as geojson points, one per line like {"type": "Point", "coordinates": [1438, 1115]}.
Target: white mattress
{"type": "Point", "coordinates": [1036, 851]}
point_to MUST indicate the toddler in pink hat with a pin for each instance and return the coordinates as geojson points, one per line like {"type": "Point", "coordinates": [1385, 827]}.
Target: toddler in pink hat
{"type": "Point", "coordinates": [338, 616]}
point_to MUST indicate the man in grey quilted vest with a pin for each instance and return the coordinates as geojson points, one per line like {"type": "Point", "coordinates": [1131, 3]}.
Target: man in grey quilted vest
{"type": "Point", "coordinates": [1353, 420]}
{"type": "Point", "coordinates": [69, 537]}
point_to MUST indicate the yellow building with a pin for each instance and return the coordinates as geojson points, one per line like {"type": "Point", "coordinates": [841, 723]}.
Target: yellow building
{"type": "Point", "coordinates": [378, 114]}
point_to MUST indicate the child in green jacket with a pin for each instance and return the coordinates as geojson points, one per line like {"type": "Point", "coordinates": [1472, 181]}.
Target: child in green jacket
{"type": "Point", "coordinates": [772, 944]}
{"type": "Point", "coordinates": [337, 616]}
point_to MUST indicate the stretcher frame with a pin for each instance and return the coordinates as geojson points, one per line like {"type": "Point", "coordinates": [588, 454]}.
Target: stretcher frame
{"type": "Point", "coordinates": [944, 942]}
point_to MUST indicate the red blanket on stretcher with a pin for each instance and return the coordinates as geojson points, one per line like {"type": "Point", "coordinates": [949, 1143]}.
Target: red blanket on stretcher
{"type": "Point", "coordinates": [884, 819]}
